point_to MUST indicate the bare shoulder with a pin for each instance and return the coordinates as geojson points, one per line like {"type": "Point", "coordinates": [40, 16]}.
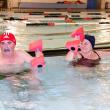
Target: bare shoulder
{"type": "Point", "coordinates": [24, 55]}
{"type": "Point", "coordinates": [103, 53]}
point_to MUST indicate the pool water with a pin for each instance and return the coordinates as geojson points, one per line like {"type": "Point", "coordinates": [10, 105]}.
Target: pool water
{"type": "Point", "coordinates": [62, 87]}
{"type": "Point", "coordinates": [57, 35]}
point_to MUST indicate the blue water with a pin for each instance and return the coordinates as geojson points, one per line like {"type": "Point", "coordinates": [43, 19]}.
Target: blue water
{"type": "Point", "coordinates": [62, 87]}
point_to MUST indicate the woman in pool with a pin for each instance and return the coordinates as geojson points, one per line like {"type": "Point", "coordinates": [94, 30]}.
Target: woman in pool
{"type": "Point", "coordinates": [87, 56]}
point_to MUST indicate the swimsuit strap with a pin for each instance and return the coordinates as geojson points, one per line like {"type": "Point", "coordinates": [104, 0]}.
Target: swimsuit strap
{"type": "Point", "coordinates": [97, 54]}
{"type": "Point", "coordinates": [81, 56]}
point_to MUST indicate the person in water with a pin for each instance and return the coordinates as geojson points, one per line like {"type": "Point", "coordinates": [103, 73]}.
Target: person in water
{"type": "Point", "coordinates": [11, 60]}
{"type": "Point", "coordinates": [15, 65]}
{"type": "Point", "coordinates": [87, 56]}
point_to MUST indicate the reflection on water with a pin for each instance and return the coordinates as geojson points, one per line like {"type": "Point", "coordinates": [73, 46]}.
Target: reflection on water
{"type": "Point", "coordinates": [62, 87]}
{"type": "Point", "coordinates": [22, 92]}
{"type": "Point", "coordinates": [53, 34]}
{"type": "Point", "coordinates": [19, 88]}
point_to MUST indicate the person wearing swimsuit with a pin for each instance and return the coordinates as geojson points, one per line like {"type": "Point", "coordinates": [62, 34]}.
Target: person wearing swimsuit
{"type": "Point", "coordinates": [89, 62]}
{"type": "Point", "coordinates": [15, 63]}
{"type": "Point", "coordinates": [88, 56]}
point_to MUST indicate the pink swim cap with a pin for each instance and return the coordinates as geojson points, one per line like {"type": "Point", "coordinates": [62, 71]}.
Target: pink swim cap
{"type": "Point", "coordinates": [8, 36]}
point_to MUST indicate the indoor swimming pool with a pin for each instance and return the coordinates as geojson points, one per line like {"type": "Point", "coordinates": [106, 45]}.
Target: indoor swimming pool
{"type": "Point", "coordinates": [57, 35]}
{"type": "Point", "coordinates": [59, 86]}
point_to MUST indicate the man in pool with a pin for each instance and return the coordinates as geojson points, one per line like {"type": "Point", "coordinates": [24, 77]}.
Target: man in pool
{"type": "Point", "coordinates": [16, 65]}
{"type": "Point", "coordinates": [11, 60]}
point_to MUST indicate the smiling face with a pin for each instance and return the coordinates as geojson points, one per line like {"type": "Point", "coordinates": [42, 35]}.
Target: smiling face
{"type": "Point", "coordinates": [86, 46]}
{"type": "Point", "coordinates": [7, 47]}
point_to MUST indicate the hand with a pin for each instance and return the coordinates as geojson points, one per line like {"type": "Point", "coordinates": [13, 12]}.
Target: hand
{"type": "Point", "coordinates": [38, 62]}
{"type": "Point", "coordinates": [71, 55]}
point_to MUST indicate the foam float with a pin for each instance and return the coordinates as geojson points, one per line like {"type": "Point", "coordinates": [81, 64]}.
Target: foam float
{"type": "Point", "coordinates": [36, 46]}
{"type": "Point", "coordinates": [78, 34]}
{"type": "Point", "coordinates": [73, 47]}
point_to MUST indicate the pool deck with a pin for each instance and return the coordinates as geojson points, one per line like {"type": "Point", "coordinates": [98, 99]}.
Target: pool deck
{"type": "Point", "coordinates": [17, 9]}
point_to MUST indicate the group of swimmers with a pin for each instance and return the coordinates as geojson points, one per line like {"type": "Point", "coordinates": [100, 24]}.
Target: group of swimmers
{"type": "Point", "coordinates": [12, 60]}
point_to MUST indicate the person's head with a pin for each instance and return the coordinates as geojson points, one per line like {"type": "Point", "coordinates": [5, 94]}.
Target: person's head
{"type": "Point", "coordinates": [7, 43]}
{"type": "Point", "coordinates": [88, 43]}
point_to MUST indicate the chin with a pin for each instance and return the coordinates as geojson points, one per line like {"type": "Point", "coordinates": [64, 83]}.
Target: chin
{"type": "Point", "coordinates": [7, 53]}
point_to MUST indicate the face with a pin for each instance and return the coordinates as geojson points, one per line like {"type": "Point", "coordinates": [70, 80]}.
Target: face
{"type": "Point", "coordinates": [86, 46]}
{"type": "Point", "coordinates": [7, 47]}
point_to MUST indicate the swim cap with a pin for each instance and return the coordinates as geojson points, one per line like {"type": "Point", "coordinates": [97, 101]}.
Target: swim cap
{"type": "Point", "coordinates": [91, 39]}
{"type": "Point", "coordinates": [8, 36]}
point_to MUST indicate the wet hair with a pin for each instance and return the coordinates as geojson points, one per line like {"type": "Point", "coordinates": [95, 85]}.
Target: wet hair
{"type": "Point", "coordinates": [91, 39]}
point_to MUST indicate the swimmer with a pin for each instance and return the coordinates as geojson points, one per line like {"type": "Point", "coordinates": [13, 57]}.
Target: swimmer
{"type": "Point", "coordinates": [11, 60]}
{"type": "Point", "coordinates": [87, 56]}
{"type": "Point", "coordinates": [68, 20]}
{"type": "Point", "coordinates": [16, 65]}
